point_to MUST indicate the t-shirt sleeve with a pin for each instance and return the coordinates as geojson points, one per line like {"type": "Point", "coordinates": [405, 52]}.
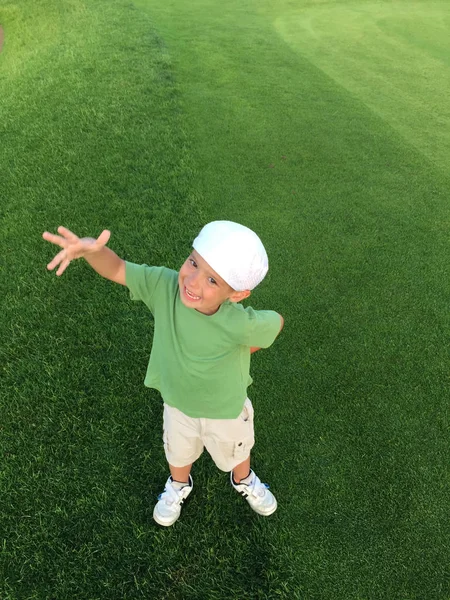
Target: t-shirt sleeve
{"type": "Point", "coordinates": [142, 281]}
{"type": "Point", "coordinates": [262, 328]}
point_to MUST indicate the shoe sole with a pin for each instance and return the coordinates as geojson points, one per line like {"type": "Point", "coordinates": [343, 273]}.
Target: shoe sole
{"type": "Point", "coordinates": [267, 513]}
{"type": "Point", "coordinates": [163, 523]}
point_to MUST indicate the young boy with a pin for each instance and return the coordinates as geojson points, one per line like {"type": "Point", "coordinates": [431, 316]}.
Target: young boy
{"type": "Point", "coordinates": [200, 358]}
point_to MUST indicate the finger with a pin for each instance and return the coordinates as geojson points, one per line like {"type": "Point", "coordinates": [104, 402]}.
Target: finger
{"type": "Point", "coordinates": [54, 239]}
{"type": "Point", "coordinates": [69, 235]}
{"type": "Point", "coordinates": [103, 238]}
{"type": "Point", "coordinates": [56, 260]}
{"type": "Point", "coordinates": [63, 266]}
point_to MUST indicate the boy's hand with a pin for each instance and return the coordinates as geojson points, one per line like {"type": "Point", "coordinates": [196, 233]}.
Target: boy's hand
{"type": "Point", "coordinates": [73, 247]}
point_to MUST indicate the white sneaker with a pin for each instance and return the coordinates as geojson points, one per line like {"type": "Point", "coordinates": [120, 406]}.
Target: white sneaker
{"type": "Point", "coordinates": [256, 493]}
{"type": "Point", "coordinates": [168, 508]}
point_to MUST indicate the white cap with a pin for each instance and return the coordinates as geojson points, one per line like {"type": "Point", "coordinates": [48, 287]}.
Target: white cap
{"type": "Point", "coordinates": [235, 253]}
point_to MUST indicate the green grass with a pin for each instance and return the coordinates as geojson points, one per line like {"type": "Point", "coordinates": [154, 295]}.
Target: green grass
{"type": "Point", "coordinates": [325, 127]}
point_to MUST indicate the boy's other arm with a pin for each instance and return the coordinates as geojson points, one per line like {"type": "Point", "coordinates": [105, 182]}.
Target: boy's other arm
{"type": "Point", "coordinates": [254, 349]}
{"type": "Point", "coordinates": [102, 259]}
{"type": "Point", "coordinates": [107, 264]}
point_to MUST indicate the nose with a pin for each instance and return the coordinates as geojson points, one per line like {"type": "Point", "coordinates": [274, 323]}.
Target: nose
{"type": "Point", "coordinates": [192, 280]}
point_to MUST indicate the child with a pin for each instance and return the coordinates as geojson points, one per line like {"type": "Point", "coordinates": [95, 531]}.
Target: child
{"type": "Point", "coordinates": [200, 358]}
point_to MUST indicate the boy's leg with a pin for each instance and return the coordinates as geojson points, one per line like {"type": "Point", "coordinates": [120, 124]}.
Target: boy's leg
{"type": "Point", "coordinates": [241, 471]}
{"type": "Point", "coordinates": [230, 440]}
{"type": "Point", "coordinates": [180, 474]}
{"type": "Point", "coordinates": [182, 444]}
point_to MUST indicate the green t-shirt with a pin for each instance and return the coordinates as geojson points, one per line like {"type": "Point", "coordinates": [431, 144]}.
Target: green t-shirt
{"type": "Point", "coordinates": [199, 363]}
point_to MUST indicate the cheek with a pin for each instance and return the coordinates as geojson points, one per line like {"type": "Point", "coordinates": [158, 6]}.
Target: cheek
{"type": "Point", "coordinates": [183, 272]}
{"type": "Point", "coordinates": [214, 295]}
{"type": "Point", "coordinates": [188, 277]}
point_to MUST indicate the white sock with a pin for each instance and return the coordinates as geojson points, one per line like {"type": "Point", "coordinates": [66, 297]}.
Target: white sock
{"type": "Point", "coordinates": [248, 479]}
{"type": "Point", "coordinates": [178, 485]}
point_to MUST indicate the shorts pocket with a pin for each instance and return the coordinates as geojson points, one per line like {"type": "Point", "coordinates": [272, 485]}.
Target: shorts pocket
{"type": "Point", "coordinates": [242, 449]}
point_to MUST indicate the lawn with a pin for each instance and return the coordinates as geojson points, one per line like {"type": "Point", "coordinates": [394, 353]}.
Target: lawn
{"type": "Point", "coordinates": [324, 126]}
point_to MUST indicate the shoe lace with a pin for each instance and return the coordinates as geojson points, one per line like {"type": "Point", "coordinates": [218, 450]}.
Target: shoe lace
{"type": "Point", "coordinates": [170, 495]}
{"type": "Point", "coordinates": [257, 488]}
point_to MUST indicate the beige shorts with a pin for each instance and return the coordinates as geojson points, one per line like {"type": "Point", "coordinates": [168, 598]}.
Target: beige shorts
{"type": "Point", "coordinates": [228, 441]}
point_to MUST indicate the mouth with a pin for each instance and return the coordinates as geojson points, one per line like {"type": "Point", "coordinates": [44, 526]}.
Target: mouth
{"type": "Point", "coordinates": [192, 297]}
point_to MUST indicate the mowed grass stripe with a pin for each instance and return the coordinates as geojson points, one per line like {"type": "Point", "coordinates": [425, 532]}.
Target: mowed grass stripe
{"type": "Point", "coordinates": [392, 56]}
{"type": "Point", "coordinates": [92, 137]}
{"type": "Point", "coordinates": [355, 219]}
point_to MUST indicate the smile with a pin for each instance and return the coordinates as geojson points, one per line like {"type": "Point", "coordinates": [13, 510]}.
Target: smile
{"type": "Point", "coordinates": [190, 295]}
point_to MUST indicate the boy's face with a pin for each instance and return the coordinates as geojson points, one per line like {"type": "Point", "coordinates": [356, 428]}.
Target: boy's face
{"type": "Point", "coordinates": [202, 288]}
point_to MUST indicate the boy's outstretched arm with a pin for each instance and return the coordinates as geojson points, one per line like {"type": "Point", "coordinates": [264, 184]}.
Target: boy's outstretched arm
{"type": "Point", "coordinates": [103, 260]}
{"type": "Point", "coordinates": [254, 349]}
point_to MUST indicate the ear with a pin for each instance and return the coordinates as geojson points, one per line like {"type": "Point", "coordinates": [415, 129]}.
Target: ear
{"type": "Point", "coordinates": [239, 296]}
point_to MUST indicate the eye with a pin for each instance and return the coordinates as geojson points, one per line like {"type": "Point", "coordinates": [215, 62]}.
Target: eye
{"type": "Point", "coordinates": [193, 263]}
{"type": "Point", "coordinates": [212, 280]}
